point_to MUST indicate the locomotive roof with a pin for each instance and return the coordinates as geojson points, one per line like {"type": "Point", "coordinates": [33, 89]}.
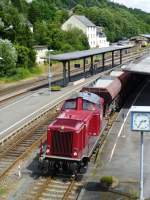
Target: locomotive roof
{"type": "Point", "coordinates": [91, 97]}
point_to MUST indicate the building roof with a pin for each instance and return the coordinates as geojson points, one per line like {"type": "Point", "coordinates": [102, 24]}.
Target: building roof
{"type": "Point", "coordinates": [146, 35]}
{"type": "Point", "coordinates": [86, 53]}
{"type": "Point", "coordinates": [139, 38]}
{"type": "Point", "coordinates": [141, 67]}
{"type": "Point", "coordinates": [84, 20]}
{"type": "Point", "coordinates": [39, 47]}
{"type": "Point", "coordinates": [99, 29]}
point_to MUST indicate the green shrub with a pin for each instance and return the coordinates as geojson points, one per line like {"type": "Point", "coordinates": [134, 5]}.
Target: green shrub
{"type": "Point", "coordinates": [2, 191]}
{"type": "Point", "coordinates": [21, 73]}
{"type": "Point", "coordinates": [56, 88]}
{"type": "Point", "coordinates": [106, 180]}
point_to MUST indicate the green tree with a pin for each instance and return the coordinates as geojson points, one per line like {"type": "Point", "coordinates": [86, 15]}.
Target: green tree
{"type": "Point", "coordinates": [78, 9]}
{"type": "Point", "coordinates": [23, 56]}
{"type": "Point", "coordinates": [26, 57]}
{"type": "Point", "coordinates": [77, 39]}
{"type": "Point", "coordinates": [60, 16]}
{"type": "Point", "coordinates": [41, 32]}
{"type": "Point", "coordinates": [41, 10]}
{"type": "Point", "coordinates": [32, 58]}
{"type": "Point", "coordinates": [9, 58]}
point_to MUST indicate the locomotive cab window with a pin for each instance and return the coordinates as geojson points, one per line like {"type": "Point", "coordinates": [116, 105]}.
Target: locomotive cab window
{"type": "Point", "coordinates": [71, 104]}
{"type": "Point", "coordinates": [88, 105]}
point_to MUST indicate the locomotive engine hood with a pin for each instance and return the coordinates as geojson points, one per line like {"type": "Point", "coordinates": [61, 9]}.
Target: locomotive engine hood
{"type": "Point", "coordinates": [71, 120]}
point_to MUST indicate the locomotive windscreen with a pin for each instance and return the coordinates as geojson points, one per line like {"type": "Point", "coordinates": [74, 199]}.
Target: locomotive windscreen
{"type": "Point", "coordinates": [70, 104]}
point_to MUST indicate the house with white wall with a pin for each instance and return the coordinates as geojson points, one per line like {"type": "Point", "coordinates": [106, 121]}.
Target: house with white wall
{"type": "Point", "coordinates": [96, 36]}
{"type": "Point", "coordinates": [41, 52]}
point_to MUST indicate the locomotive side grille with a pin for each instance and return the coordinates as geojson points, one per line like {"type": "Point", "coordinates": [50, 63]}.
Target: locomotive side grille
{"type": "Point", "coordinates": [62, 143]}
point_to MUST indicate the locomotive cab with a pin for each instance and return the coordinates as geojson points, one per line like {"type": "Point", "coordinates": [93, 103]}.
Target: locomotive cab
{"type": "Point", "coordinates": [88, 102]}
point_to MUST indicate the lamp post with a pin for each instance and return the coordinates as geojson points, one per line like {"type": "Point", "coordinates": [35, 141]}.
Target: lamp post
{"type": "Point", "coordinates": [49, 71]}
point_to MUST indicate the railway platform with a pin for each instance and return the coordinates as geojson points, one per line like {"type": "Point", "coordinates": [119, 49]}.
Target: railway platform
{"type": "Point", "coordinates": [20, 112]}
{"type": "Point", "coordinates": [121, 155]}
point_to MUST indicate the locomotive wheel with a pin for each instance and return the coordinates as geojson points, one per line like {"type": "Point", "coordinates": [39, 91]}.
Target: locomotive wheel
{"type": "Point", "coordinates": [57, 166]}
{"type": "Point", "coordinates": [45, 167]}
{"type": "Point", "coordinates": [65, 167]}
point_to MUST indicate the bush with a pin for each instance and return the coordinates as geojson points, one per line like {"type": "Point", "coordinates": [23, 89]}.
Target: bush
{"type": "Point", "coordinates": [9, 58]}
{"type": "Point", "coordinates": [106, 181]}
{"type": "Point", "coordinates": [21, 73]}
{"type": "Point", "coordinates": [56, 88]}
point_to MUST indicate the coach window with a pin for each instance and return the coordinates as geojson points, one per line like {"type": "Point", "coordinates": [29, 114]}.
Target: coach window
{"type": "Point", "coordinates": [71, 104]}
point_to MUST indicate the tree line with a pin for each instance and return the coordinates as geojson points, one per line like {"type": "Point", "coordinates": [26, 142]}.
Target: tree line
{"type": "Point", "coordinates": [46, 16]}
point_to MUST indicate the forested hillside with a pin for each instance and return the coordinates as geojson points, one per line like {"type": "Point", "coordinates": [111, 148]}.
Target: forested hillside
{"type": "Point", "coordinates": [46, 17]}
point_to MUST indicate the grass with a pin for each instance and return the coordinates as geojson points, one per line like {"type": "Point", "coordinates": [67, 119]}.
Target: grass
{"type": "Point", "coordinates": [22, 73]}
{"type": "Point", "coordinates": [56, 88]}
{"type": "Point", "coordinates": [2, 191]}
{"type": "Point", "coordinates": [106, 180]}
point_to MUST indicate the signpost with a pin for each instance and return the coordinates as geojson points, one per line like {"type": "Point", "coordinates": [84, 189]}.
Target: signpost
{"type": "Point", "coordinates": [140, 121]}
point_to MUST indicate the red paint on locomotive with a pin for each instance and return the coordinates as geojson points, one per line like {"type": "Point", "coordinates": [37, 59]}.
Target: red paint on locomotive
{"type": "Point", "coordinates": [71, 133]}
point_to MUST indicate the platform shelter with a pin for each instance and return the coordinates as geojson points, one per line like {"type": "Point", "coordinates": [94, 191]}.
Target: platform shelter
{"type": "Point", "coordinates": [142, 66]}
{"type": "Point", "coordinates": [66, 58]}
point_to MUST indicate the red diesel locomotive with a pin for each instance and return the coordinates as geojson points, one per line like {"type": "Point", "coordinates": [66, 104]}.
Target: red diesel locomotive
{"type": "Point", "coordinates": [72, 137]}
{"type": "Point", "coordinates": [74, 134]}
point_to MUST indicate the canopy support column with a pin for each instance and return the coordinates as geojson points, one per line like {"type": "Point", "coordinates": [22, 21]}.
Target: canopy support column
{"type": "Point", "coordinates": [84, 67]}
{"type": "Point", "coordinates": [120, 56]}
{"type": "Point", "coordinates": [69, 77]}
{"type": "Point", "coordinates": [103, 61]}
{"type": "Point", "coordinates": [112, 59]}
{"type": "Point", "coordinates": [91, 68]}
{"type": "Point", "coordinates": [64, 74]}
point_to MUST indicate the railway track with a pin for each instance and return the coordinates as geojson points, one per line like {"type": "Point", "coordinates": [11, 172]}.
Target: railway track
{"type": "Point", "coordinates": [8, 94]}
{"type": "Point", "coordinates": [45, 188]}
{"type": "Point", "coordinates": [11, 155]}
{"type": "Point", "coordinates": [48, 188]}
{"type": "Point", "coordinates": [22, 144]}
{"type": "Point", "coordinates": [54, 189]}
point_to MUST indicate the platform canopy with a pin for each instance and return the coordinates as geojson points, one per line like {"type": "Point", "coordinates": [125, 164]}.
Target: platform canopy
{"type": "Point", "coordinates": [87, 53]}
{"type": "Point", "coordinates": [146, 35]}
{"type": "Point", "coordinates": [142, 67]}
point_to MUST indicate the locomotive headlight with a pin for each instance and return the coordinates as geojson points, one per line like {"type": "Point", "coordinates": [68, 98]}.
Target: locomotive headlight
{"type": "Point", "coordinates": [48, 149]}
{"type": "Point", "coordinates": [75, 153]}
